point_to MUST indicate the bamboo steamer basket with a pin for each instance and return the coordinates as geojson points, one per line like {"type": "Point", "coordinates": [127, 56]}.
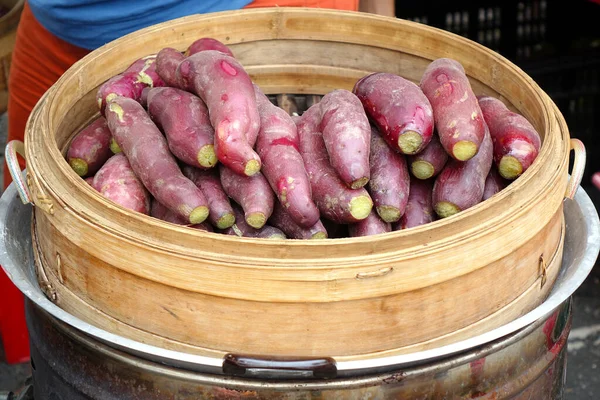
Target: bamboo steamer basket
{"type": "Point", "coordinates": [211, 294]}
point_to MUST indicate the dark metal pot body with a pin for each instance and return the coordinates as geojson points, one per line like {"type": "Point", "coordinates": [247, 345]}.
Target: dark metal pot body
{"type": "Point", "coordinates": [529, 364]}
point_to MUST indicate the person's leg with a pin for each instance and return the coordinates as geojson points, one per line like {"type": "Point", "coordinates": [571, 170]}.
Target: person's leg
{"type": "Point", "coordinates": [350, 5]}
{"type": "Point", "coordinates": [38, 60]}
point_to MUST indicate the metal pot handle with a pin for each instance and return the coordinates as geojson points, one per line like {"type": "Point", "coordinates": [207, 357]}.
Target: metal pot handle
{"type": "Point", "coordinates": [13, 148]}
{"type": "Point", "coordinates": [279, 367]}
{"type": "Point", "coordinates": [578, 167]}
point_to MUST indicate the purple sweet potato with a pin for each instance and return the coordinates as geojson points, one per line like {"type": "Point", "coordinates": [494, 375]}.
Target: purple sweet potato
{"type": "Point", "coordinates": [252, 193]}
{"type": "Point", "coordinates": [242, 229]}
{"type": "Point", "coordinates": [90, 180]}
{"type": "Point", "coordinates": [226, 89]}
{"type": "Point", "coordinates": [117, 182]}
{"type": "Point", "coordinates": [458, 118]}
{"type": "Point", "coordinates": [460, 185]}
{"type": "Point", "coordinates": [183, 117]}
{"type": "Point", "coordinates": [494, 183]}
{"type": "Point", "coordinates": [419, 210]}
{"type": "Point", "coordinates": [399, 109]}
{"type": "Point", "coordinates": [390, 182]}
{"type": "Point", "coordinates": [372, 225]}
{"type": "Point", "coordinates": [335, 200]}
{"type": "Point", "coordinates": [346, 133]}
{"type": "Point", "coordinates": [516, 142]}
{"type": "Point", "coordinates": [430, 161]}
{"type": "Point", "coordinates": [147, 151]}
{"type": "Point", "coordinates": [161, 212]}
{"type": "Point", "coordinates": [146, 69]}
{"type": "Point", "coordinates": [90, 148]}
{"type": "Point", "coordinates": [283, 166]}
{"type": "Point", "coordinates": [282, 220]}
{"type": "Point", "coordinates": [207, 44]}
{"type": "Point", "coordinates": [167, 61]}
{"type": "Point", "coordinates": [221, 212]}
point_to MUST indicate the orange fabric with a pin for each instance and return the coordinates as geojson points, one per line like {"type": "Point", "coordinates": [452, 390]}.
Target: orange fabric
{"type": "Point", "coordinates": [38, 60]}
{"type": "Point", "coordinates": [350, 5]}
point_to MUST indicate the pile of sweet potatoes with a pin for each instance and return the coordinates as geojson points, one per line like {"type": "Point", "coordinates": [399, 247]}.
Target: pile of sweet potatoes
{"type": "Point", "coordinates": [188, 138]}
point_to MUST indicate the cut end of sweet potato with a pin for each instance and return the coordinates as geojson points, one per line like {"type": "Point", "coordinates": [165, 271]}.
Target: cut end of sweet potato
{"type": "Point", "coordinates": [252, 167]}
{"type": "Point", "coordinates": [113, 107]}
{"type": "Point", "coordinates": [357, 184]}
{"type": "Point", "coordinates": [319, 235]}
{"type": "Point", "coordinates": [464, 150]}
{"type": "Point", "coordinates": [446, 209]}
{"type": "Point", "coordinates": [422, 169]}
{"type": "Point", "coordinates": [114, 146]}
{"type": "Point", "coordinates": [388, 213]}
{"type": "Point", "coordinates": [409, 142]}
{"type": "Point", "coordinates": [256, 220]}
{"type": "Point", "coordinates": [276, 236]}
{"type": "Point", "coordinates": [510, 167]}
{"type": "Point", "coordinates": [226, 221]}
{"type": "Point", "coordinates": [207, 156]}
{"type": "Point", "coordinates": [198, 215]}
{"type": "Point", "coordinates": [79, 166]}
{"type": "Point", "coordinates": [360, 207]}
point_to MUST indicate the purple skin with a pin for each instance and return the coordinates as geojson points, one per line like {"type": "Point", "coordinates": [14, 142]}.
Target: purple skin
{"type": "Point", "coordinates": [242, 229]}
{"type": "Point", "coordinates": [146, 68]}
{"type": "Point", "coordinates": [281, 219]}
{"type": "Point", "coordinates": [123, 85]}
{"type": "Point", "coordinates": [397, 107]}
{"type": "Point", "coordinates": [117, 182]}
{"type": "Point", "coordinates": [494, 183]}
{"type": "Point", "coordinates": [283, 166]}
{"type": "Point", "coordinates": [207, 44]}
{"type": "Point", "coordinates": [460, 185]}
{"type": "Point", "coordinates": [90, 149]}
{"type": "Point", "coordinates": [90, 180]}
{"type": "Point", "coordinates": [390, 182]}
{"type": "Point", "coordinates": [419, 210]}
{"type": "Point", "coordinates": [161, 212]}
{"type": "Point", "coordinates": [226, 89]}
{"type": "Point", "coordinates": [221, 212]}
{"type": "Point", "coordinates": [167, 61]}
{"type": "Point", "coordinates": [334, 199]}
{"type": "Point", "coordinates": [183, 118]}
{"type": "Point", "coordinates": [253, 193]}
{"type": "Point", "coordinates": [147, 150]}
{"type": "Point", "coordinates": [346, 133]}
{"type": "Point", "coordinates": [430, 162]}
{"type": "Point", "coordinates": [372, 225]}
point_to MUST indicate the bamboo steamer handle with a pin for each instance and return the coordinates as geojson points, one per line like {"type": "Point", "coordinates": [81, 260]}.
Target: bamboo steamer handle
{"type": "Point", "coordinates": [25, 187]}
{"type": "Point", "coordinates": [578, 167]}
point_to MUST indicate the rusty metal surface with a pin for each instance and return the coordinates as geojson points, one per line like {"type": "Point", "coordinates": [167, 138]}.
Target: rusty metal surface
{"type": "Point", "coordinates": [69, 365]}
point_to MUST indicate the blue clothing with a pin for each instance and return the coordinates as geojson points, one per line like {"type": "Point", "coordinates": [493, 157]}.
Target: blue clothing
{"type": "Point", "coordinates": [92, 23]}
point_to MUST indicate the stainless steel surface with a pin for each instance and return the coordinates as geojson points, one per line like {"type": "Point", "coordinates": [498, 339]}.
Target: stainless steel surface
{"type": "Point", "coordinates": [582, 244]}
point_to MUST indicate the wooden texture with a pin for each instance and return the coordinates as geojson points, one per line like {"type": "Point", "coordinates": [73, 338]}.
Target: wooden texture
{"type": "Point", "coordinates": [308, 297]}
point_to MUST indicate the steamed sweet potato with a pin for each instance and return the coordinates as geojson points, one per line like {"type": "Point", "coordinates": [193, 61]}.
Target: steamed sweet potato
{"type": "Point", "coordinates": [147, 151]}
{"type": "Point", "coordinates": [516, 142]}
{"type": "Point", "coordinates": [161, 212]}
{"type": "Point", "coordinates": [90, 148]}
{"type": "Point", "coordinates": [117, 182]}
{"type": "Point", "coordinates": [390, 182]}
{"type": "Point", "coordinates": [460, 185]}
{"type": "Point", "coordinates": [458, 118]}
{"type": "Point", "coordinates": [183, 117]}
{"type": "Point", "coordinates": [167, 61]}
{"type": "Point", "coordinates": [430, 161]}
{"type": "Point", "coordinates": [372, 225]}
{"type": "Point", "coordinates": [252, 193]}
{"type": "Point", "coordinates": [242, 229]}
{"type": "Point", "coordinates": [282, 220]}
{"type": "Point", "coordinates": [419, 210]}
{"type": "Point", "coordinates": [283, 166]}
{"type": "Point", "coordinates": [221, 212]}
{"type": "Point", "coordinates": [494, 183]}
{"type": "Point", "coordinates": [226, 89]}
{"type": "Point", "coordinates": [399, 109]}
{"type": "Point", "coordinates": [335, 200]}
{"type": "Point", "coordinates": [346, 133]}
{"type": "Point", "coordinates": [204, 44]}
{"type": "Point", "coordinates": [146, 69]}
